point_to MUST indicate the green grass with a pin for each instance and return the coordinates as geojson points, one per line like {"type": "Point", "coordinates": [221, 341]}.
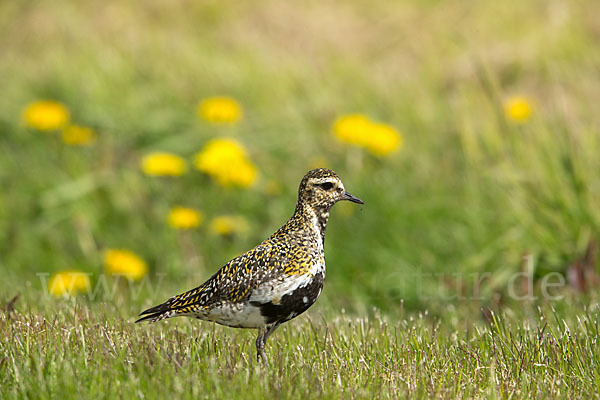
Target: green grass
{"type": "Point", "coordinates": [446, 224]}
{"type": "Point", "coordinates": [78, 350]}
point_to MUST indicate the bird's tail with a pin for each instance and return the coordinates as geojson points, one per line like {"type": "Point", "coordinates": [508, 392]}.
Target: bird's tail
{"type": "Point", "coordinates": [182, 304]}
{"type": "Point", "coordinates": [157, 313]}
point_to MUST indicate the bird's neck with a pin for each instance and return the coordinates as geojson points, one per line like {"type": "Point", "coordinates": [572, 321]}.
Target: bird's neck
{"type": "Point", "coordinates": [312, 218]}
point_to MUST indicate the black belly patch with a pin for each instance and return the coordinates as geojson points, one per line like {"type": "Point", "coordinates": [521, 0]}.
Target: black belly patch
{"type": "Point", "coordinates": [293, 304]}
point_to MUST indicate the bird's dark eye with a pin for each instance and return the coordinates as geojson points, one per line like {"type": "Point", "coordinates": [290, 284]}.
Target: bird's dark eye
{"type": "Point", "coordinates": [327, 185]}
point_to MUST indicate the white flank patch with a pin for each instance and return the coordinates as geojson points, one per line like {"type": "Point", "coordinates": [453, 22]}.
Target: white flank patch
{"type": "Point", "coordinates": [236, 315]}
{"type": "Point", "coordinates": [276, 289]}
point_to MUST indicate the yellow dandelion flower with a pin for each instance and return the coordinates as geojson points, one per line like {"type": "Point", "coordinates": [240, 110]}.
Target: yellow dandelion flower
{"type": "Point", "coordinates": [227, 225]}
{"type": "Point", "coordinates": [352, 129]}
{"type": "Point", "coordinates": [46, 115]}
{"type": "Point", "coordinates": [225, 160]}
{"type": "Point", "coordinates": [163, 164]}
{"type": "Point", "coordinates": [76, 135]}
{"type": "Point", "coordinates": [358, 130]}
{"type": "Point", "coordinates": [68, 283]}
{"type": "Point", "coordinates": [220, 110]}
{"type": "Point", "coordinates": [518, 109]}
{"type": "Point", "coordinates": [383, 140]}
{"type": "Point", "coordinates": [124, 263]}
{"type": "Point", "coordinates": [185, 218]}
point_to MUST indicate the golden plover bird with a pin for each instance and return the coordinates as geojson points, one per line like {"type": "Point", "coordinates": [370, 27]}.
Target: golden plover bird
{"type": "Point", "coordinates": [277, 280]}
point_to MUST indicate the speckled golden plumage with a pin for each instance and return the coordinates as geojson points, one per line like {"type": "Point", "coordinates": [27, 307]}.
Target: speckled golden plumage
{"type": "Point", "coordinates": [275, 281]}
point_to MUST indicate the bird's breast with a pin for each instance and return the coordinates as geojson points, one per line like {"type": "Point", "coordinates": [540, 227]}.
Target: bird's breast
{"type": "Point", "coordinates": [288, 296]}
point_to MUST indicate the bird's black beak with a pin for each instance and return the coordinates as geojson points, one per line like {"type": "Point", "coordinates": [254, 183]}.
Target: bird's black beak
{"type": "Point", "coordinates": [354, 199]}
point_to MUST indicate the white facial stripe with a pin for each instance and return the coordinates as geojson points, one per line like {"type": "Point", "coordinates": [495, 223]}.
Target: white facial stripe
{"type": "Point", "coordinates": [320, 181]}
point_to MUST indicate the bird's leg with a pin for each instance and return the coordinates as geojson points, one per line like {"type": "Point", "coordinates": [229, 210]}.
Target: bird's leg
{"type": "Point", "coordinates": [261, 341]}
{"type": "Point", "coordinates": [260, 346]}
{"type": "Point", "coordinates": [270, 330]}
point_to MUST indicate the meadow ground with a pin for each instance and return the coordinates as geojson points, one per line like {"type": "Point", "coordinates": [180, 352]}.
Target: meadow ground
{"type": "Point", "coordinates": [470, 130]}
{"type": "Point", "coordinates": [95, 351]}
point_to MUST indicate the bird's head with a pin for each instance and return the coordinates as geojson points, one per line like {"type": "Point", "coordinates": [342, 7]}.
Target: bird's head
{"type": "Point", "coordinates": [322, 188]}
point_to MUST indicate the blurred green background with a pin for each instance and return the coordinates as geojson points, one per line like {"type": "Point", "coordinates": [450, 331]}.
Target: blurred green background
{"type": "Point", "coordinates": [471, 190]}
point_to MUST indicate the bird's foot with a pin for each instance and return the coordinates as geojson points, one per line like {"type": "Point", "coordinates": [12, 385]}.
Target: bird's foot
{"type": "Point", "coordinates": [261, 358]}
